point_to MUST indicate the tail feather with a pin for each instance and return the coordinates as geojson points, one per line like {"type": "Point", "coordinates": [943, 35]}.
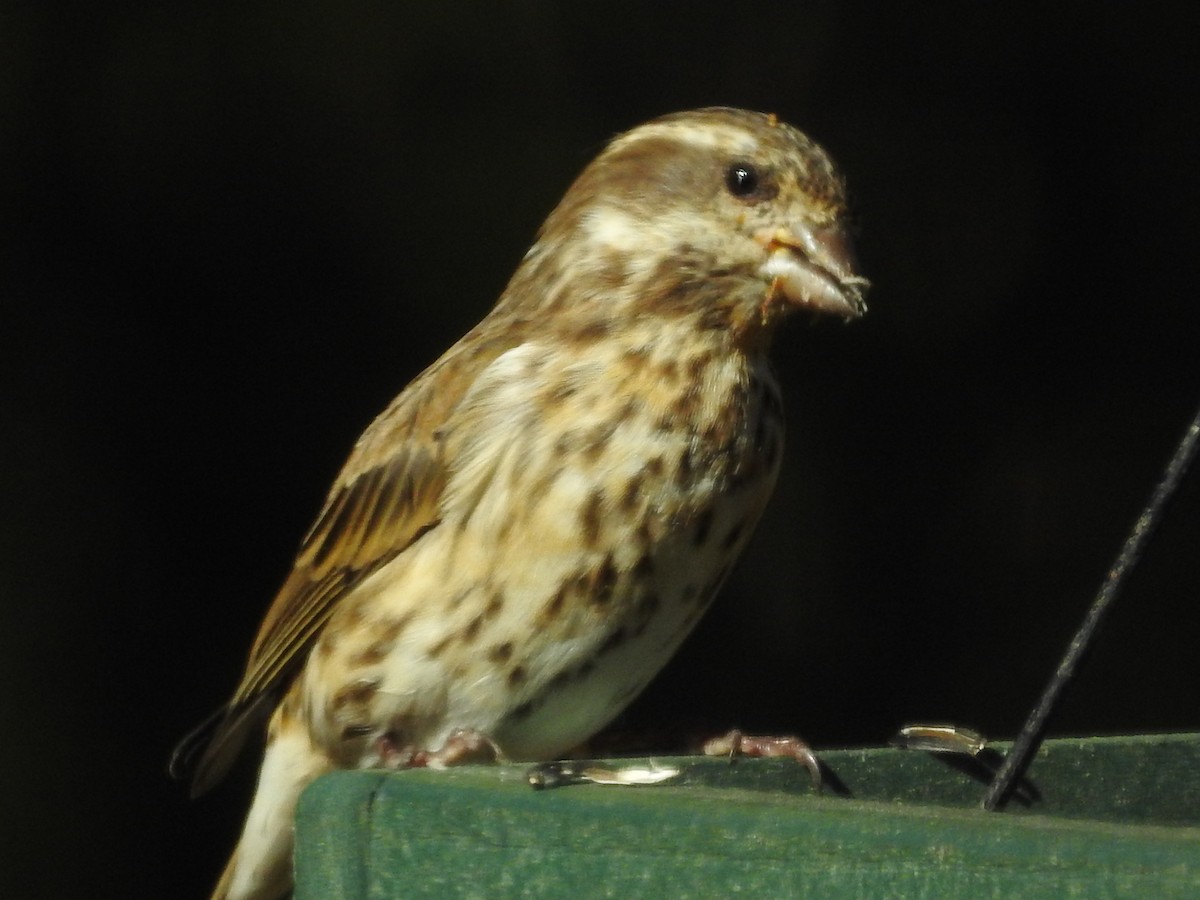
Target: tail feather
{"type": "Point", "coordinates": [221, 891]}
{"type": "Point", "coordinates": [261, 865]}
{"type": "Point", "coordinates": [267, 888]}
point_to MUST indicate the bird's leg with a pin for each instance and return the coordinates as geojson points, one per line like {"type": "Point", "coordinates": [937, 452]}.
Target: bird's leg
{"type": "Point", "coordinates": [392, 752]}
{"type": "Point", "coordinates": [735, 744]}
{"type": "Point", "coordinates": [464, 747]}
{"type": "Point", "coordinates": [394, 749]}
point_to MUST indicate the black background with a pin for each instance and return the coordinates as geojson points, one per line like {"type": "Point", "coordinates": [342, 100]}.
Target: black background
{"type": "Point", "coordinates": [228, 236]}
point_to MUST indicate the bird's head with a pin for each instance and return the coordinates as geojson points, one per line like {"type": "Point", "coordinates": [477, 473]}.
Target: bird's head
{"type": "Point", "coordinates": [729, 216]}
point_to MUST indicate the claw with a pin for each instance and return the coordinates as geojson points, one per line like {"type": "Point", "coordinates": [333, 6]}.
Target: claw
{"type": "Point", "coordinates": [735, 744]}
{"type": "Point", "coordinates": [464, 747]}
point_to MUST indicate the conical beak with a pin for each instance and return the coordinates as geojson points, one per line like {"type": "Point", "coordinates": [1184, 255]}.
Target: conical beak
{"type": "Point", "coordinates": [814, 267]}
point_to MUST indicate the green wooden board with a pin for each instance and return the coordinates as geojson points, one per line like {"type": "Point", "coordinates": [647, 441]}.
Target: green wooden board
{"type": "Point", "coordinates": [1117, 817]}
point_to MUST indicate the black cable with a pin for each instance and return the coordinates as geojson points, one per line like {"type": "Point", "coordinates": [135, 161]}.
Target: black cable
{"type": "Point", "coordinates": [1030, 737]}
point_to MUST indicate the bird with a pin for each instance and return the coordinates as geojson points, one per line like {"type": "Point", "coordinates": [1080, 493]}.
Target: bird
{"type": "Point", "coordinates": [520, 541]}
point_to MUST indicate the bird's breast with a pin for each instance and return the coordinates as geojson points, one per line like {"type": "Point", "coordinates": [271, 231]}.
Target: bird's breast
{"type": "Point", "coordinates": [596, 504]}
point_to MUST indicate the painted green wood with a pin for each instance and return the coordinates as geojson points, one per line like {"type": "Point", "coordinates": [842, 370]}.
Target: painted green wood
{"type": "Point", "coordinates": [1117, 817]}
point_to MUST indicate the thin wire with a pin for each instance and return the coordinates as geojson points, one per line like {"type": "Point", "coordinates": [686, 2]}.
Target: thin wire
{"type": "Point", "coordinates": [1030, 737]}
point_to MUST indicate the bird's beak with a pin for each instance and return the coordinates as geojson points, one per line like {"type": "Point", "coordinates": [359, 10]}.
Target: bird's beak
{"type": "Point", "coordinates": [814, 266]}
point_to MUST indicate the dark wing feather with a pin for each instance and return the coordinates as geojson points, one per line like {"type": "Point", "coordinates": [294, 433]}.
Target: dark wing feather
{"type": "Point", "coordinates": [210, 749]}
{"type": "Point", "coordinates": [386, 497]}
{"type": "Point", "coordinates": [363, 526]}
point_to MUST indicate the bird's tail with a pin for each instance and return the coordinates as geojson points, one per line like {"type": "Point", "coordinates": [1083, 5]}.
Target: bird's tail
{"type": "Point", "coordinates": [221, 891]}
{"type": "Point", "coordinates": [261, 865]}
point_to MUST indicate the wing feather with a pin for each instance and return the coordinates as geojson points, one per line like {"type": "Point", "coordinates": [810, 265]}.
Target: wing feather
{"type": "Point", "coordinates": [386, 497]}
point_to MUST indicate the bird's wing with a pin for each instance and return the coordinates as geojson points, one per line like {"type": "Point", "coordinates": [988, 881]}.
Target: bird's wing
{"type": "Point", "coordinates": [385, 498]}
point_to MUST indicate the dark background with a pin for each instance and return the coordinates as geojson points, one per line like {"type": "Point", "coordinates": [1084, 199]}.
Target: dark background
{"type": "Point", "coordinates": [229, 236]}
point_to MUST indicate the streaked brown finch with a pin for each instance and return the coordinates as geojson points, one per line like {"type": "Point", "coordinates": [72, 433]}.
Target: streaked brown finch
{"type": "Point", "coordinates": [521, 540]}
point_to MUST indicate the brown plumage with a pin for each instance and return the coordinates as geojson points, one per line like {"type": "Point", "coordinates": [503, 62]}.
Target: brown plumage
{"type": "Point", "coordinates": [521, 540]}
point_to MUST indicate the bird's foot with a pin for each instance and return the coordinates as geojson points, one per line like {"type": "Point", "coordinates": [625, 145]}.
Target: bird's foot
{"type": "Point", "coordinates": [465, 746]}
{"type": "Point", "coordinates": [735, 744]}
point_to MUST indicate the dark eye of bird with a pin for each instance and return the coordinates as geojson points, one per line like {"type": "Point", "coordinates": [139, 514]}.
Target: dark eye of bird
{"type": "Point", "coordinates": [741, 179]}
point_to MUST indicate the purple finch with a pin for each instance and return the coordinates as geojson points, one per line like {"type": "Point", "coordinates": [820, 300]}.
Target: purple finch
{"type": "Point", "coordinates": [526, 534]}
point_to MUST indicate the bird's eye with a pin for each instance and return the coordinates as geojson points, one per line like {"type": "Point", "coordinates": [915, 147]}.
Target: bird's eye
{"type": "Point", "coordinates": [741, 179]}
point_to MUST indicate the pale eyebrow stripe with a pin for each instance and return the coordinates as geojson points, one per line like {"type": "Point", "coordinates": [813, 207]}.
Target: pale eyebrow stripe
{"type": "Point", "coordinates": [704, 136]}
